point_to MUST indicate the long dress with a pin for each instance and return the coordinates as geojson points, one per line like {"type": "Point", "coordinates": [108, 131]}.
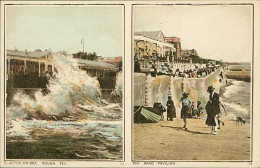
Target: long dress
{"type": "Point", "coordinates": [212, 109]}
{"type": "Point", "coordinates": [186, 103]}
{"type": "Point", "coordinates": [171, 112]}
{"type": "Point", "coordinates": [210, 121]}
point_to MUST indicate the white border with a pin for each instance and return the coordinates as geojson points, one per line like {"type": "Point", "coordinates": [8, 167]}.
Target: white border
{"type": "Point", "coordinates": [128, 69]}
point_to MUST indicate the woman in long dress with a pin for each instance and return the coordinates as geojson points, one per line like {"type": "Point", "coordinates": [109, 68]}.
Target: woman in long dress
{"type": "Point", "coordinates": [171, 112]}
{"type": "Point", "coordinates": [213, 110]}
{"type": "Point", "coordinates": [186, 107]}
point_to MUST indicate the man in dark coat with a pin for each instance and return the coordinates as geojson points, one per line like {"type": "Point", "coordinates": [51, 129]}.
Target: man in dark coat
{"type": "Point", "coordinates": [171, 113]}
{"type": "Point", "coordinates": [213, 110]}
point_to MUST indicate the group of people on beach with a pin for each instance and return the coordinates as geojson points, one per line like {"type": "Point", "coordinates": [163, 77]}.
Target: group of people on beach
{"type": "Point", "coordinates": [190, 109]}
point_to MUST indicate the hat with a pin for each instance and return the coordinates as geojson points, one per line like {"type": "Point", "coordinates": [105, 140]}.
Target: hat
{"type": "Point", "coordinates": [210, 88]}
{"type": "Point", "coordinates": [185, 94]}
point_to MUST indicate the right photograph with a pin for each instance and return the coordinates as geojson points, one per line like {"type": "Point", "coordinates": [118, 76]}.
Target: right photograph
{"type": "Point", "coordinates": [192, 82]}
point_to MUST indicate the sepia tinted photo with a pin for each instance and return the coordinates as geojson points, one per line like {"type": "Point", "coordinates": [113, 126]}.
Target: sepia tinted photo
{"type": "Point", "coordinates": [192, 85]}
{"type": "Point", "coordinates": [64, 82]}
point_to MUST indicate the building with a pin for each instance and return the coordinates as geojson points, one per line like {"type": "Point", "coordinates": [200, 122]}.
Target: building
{"type": "Point", "coordinates": [177, 44]}
{"type": "Point", "coordinates": [34, 63]}
{"type": "Point", "coordinates": [151, 46]}
{"type": "Point", "coordinates": [188, 53]}
{"type": "Point", "coordinates": [117, 61]}
{"type": "Point", "coordinates": [26, 69]}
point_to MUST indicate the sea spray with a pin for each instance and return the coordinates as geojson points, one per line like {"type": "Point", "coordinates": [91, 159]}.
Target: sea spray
{"type": "Point", "coordinates": [68, 87]}
{"type": "Point", "coordinates": [119, 84]}
{"type": "Point", "coordinates": [235, 87]}
{"type": "Point", "coordinates": [236, 99]}
{"type": "Point", "coordinates": [73, 104]}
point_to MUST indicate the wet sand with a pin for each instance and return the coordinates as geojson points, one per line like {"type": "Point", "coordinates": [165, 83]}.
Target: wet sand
{"type": "Point", "coordinates": [166, 140]}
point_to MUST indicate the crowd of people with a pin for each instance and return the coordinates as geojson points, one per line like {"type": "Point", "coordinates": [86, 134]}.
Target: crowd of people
{"type": "Point", "coordinates": [191, 109]}
{"type": "Point", "coordinates": [195, 73]}
{"type": "Point", "coordinates": [164, 69]}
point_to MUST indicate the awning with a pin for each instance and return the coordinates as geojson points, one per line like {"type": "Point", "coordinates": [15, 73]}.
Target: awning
{"type": "Point", "coordinates": [146, 114]}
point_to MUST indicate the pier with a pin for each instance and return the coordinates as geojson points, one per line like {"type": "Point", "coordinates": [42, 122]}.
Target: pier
{"type": "Point", "coordinates": [30, 71]}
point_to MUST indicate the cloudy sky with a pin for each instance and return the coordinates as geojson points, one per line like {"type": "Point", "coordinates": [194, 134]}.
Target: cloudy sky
{"type": "Point", "coordinates": [215, 31]}
{"type": "Point", "coordinates": [62, 28]}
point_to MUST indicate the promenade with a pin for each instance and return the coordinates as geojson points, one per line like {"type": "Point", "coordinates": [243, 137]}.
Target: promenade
{"type": "Point", "coordinates": [166, 140]}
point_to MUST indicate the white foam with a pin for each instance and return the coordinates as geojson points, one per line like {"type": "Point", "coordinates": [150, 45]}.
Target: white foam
{"type": "Point", "coordinates": [69, 87]}
{"type": "Point", "coordinates": [119, 84]}
{"type": "Point", "coordinates": [237, 110]}
{"type": "Point", "coordinates": [16, 128]}
{"type": "Point", "coordinates": [233, 88]}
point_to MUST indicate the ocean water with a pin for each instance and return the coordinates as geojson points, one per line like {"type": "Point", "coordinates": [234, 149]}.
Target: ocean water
{"type": "Point", "coordinates": [71, 92]}
{"type": "Point", "coordinates": [237, 98]}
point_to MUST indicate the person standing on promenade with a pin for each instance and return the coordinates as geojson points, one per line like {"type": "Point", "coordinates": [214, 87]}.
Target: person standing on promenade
{"type": "Point", "coordinates": [171, 112]}
{"type": "Point", "coordinates": [213, 110]}
{"type": "Point", "coordinates": [186, 107]}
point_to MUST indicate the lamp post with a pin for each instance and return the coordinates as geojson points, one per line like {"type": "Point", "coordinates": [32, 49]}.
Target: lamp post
{"type": "Point", "coordinates": [82, 42]}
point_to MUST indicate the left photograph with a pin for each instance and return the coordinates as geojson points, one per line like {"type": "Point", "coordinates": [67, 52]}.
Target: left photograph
{"type": "Point", "coordinates": [64, 82]}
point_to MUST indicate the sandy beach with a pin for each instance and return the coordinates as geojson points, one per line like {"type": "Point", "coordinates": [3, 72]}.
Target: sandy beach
{"type": "Point", "coordinates": [166, 140]}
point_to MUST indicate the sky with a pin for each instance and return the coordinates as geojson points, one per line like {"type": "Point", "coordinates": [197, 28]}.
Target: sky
{"type": "Point", "coordinates": [220, 32]}
{"type": "Point", "coordinates": [63, 27]}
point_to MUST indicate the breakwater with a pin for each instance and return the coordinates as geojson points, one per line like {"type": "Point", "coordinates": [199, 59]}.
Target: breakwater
{"type": "Point", "coordinates": [149, 90]}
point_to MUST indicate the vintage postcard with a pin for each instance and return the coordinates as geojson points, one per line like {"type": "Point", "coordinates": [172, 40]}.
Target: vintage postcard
{"type": "Point", "coordinates": [63, 82]}
{"type": "Point", "coordinates": [192, 89]}
{"type": "Point", "coordinates": [129, 84]}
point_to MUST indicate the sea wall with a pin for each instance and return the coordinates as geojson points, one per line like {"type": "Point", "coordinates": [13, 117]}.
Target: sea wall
{"type": "Point", "coordinates": [139, 89]}
{"type": "Point", "coordinates": [162, 86]}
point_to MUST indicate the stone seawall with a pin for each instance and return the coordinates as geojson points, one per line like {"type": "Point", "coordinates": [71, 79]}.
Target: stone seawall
{"type": "Point", "coordinates": [162, 86]}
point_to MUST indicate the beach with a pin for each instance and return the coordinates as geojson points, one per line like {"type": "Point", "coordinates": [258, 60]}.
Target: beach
{"type": "Point", "coordinates": [166, 140]}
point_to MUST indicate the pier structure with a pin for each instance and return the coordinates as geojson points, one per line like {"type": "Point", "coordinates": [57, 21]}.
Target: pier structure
{"type": "Point", "coordinates": [30, 71]}
{"type": "Point", "coordinates": [28, 63]}
{"type": "Point", "coordinates": [37, 64]}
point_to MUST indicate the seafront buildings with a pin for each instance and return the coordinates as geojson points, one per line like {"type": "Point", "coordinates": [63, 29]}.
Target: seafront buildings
{"type": "Point", "coordinates": [153, 48]}
{"type": "Point", "coordinates": [29, 70]}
